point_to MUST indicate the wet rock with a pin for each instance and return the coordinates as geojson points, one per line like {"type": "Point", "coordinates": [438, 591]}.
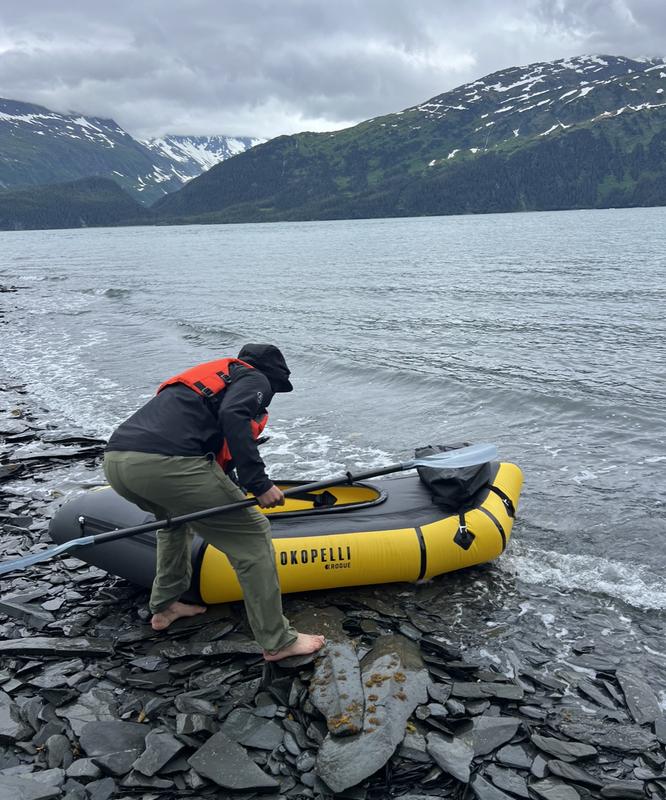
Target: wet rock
{"type": "Point", "coordinates": [626, 790]}
{"type": "Point", "coordinates": [551, 789]}
{"type": "Point", "coordinates": [641, 700]}
{"type": "Point", "coordinates": [484, 790]}
{"type": "Point", "coordinates": [508, 780]}
{"type": "Point", "coordinates": [83, 768]}
{"type": "Point", "coordinates": [31, 616]}
{"type": "Point", "coordinates": [11, 726]}
{"type": "Point", "coordinates": [660, 729]}
{"type": "Point", "coordinates": [118, 763]}
{"type": "Point", "coordinates": [226, 763]}
{"type": "Point", "coordinates": [16, 787]}
{"type": "Point", "coordinates": [336, 689]}
{"type": "Point", "coordinates": [539, 767]}
{"type": "Point", "coordinates": [487, 733]}
{"type": "Point", "coordinates": [505, 691]}
{"type": "Point", "coordinates": [251, 731]}
{"type": "Point", "coordinates": [45, 646]}
{"type": "Point", "coordinates": [565, 751]}
{"type": "Point", "coordinates": [96, 705]}
{"type": "Point", "coordinates": [59, 751]}
{"type": "Point", "coordinates": [454, 756]}
{"type": "Point", "coordinates": [212, 649]}
{"type": "Point", "coordinates": [161, 747]}
{"type": "Point", "coordinates": [610, 735]}
{"type": "Point", "coordinates": [104, 738]}
{"type": "Point", "coordinates": [570, 772]}
{"type": "Point", "coordinates": [194, 723]}
{"type": "Point", "coordinates": [102, 789]}
{"type": "Point", "coordinates": [394, 682]}
{"type": "Point", "coordinates": [515, 756]}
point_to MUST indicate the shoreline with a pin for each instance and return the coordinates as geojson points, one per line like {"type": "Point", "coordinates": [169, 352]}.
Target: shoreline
{"type": "Point", "coordinates": [94, 704]}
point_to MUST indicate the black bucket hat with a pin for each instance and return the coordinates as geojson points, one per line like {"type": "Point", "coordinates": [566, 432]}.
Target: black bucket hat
{"type": "Point", "coordinates": [268, 359]}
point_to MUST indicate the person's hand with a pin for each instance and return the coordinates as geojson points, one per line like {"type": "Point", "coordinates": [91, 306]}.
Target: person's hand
{"type": "Point", "coordinates": [271, 497]}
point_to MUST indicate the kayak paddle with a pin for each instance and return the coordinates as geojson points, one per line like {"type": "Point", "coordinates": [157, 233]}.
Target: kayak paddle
{"type": "Point", "coordinates": [449, 459]}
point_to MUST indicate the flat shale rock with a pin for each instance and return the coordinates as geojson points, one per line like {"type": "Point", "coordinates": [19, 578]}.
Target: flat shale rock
{"type": "Point", "coordinates": [610, 735]}
{"type": "Point", "coordinates": [515, 756]}
{"type": "Point", "coordinates": [226, 763]}
{"type": "Point", "coordinates": [55, 646]}
{"type": "Point", "coordinates": [487, 733]}
{"type": "Point", "coordinates": [454, 756]}
{"type": "Point", "coordinates": [394, 683]}
{"type": "Point", "coordinates": [103, 738]}
{"type": "Point", "coordinates": [211, 649]}
{"type": "Point", "coordinates": [508, 780]}
{"type": "Point", "coordinates": [641, 700]}
{"type": "Point", "coordinates": [95, 706]}
{"type": "Point", "coordinates": [551, 789]}
{"type": "Point", "coordinates": [570, 772]}
{"type": "Point", "coordinates": [10, 721]}
{"type": "Point", "coordinates": [161, 747]}
{"type": "Point", "coordinates": [565, 751]}
{"type": "Point", "coordinates": [624, 790]}
{"type": "Point", "coordinates": [336, 689]}
{"type": "Point", "coordinates": [16, 787]}
{"type": "Point", "coordinates": [251, 731]}
{"type": "Point", "coordinates": [484, 790]}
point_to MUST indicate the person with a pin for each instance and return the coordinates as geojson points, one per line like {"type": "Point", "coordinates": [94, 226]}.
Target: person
{"type": "Point", "coordinates": [173, 457]}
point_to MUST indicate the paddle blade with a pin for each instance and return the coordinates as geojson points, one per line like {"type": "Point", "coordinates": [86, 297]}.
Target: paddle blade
{"type": "Point", "coordinates": [44, 555]}
{"type": "Point", "coordinates": [460, 457]}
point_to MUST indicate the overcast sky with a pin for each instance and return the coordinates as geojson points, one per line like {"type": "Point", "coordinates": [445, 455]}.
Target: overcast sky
{"type": "Point", "coordinates": [266, 67]}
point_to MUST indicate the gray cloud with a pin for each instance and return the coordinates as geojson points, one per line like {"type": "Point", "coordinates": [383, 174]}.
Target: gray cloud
{"type": "Point", "coordinates": [263, 68]}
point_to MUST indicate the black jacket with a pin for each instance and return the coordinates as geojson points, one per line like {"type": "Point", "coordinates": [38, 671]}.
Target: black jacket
{"type": "Point", "coordinates": [180, 422]}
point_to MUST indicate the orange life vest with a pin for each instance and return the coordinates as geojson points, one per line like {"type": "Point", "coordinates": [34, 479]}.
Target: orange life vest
{"type": "Point", "coordinates": [209, 380]}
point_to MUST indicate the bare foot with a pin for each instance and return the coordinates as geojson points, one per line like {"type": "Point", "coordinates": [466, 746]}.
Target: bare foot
{"type": "Point", "coordinates": [305, 644]}
{"type": "Point", "coordinates": [163, 619]}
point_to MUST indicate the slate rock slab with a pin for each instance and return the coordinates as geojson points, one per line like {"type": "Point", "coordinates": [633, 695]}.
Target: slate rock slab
{"type": "Point", "coordinates": [211, 649]}
{"type": "Point", "coordinates": [161, 747]}
{"type": "Point", "coordinates": [487, 733]}
{"type": "Point", "coordinates": [454, 756]}
{"type": "Point", "coordinates": [10, 722]}
{"type": "Point", "coordinates": [508, 780]}
{"type": "Point", "coordinates": [336, 689]}
{"type": "Point", "coordinates": [226, 763]}
{"type": "Point", "coordinates": [570, 772]}
{"type": "Point", "coordinates": [565, 751]}
{"type": "Point", "coordinates": [16, 787]}
{"type": "Point", "coordinates": [55, 646]}
{"type": "Point", "coordinates": [394, 683]}
{"type": "Point", "coordinates": [251, 731]}
{"type": "Point", "coordinates": [96, 705]}
{"type": "Point", "coordinates": [641, 700]}
{"type": "Point", "coordinates": [552, 789]}
{"type": "Point", "coordinates": [626, 790]}
{"type": "Point", "coordinates": [484, 790]}
{"type": "Point", "coordinates": [103, 738]}
{"type": "Point", "coordinates": [613, 736]}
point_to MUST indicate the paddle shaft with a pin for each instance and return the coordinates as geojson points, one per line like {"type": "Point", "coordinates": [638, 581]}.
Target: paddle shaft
{"type": "Point", "coordinates": [174, 522]}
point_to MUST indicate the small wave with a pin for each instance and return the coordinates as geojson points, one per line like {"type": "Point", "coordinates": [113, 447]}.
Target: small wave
{"type": "Point", "coordinates": [117, 294]}
{"type": "Point", "coordinates": [632, 583]}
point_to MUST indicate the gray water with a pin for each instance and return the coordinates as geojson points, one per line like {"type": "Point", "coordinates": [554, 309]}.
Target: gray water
{"type": "Point", "coordinates": [543, 333]}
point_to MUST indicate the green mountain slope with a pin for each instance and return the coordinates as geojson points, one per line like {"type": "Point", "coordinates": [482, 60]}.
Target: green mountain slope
{"type": "Point", "coordinates": [583, 132]}
{"type": "Point", "coordinates": [77, 204]}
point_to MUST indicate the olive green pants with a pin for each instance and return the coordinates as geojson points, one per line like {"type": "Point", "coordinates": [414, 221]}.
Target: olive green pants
{"type": "Point", "coordinates": [168, 486]}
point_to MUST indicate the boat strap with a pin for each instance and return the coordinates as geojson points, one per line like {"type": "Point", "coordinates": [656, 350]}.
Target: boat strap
{"type": "Point", "coordinates": [464, 537]}
{"type": "Point", "coordinates": [508, 503]}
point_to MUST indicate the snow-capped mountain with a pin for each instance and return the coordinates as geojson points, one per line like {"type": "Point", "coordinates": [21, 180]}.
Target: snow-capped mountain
{"type": "Point", "coordinates": [577, 132]}
{"type": "Point", "coordinates": [40, 146]}
{"type": "Point", "coordinates": [195, 154]}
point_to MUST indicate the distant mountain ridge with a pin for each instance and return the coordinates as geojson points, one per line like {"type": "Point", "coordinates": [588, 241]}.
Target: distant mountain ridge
{"type": "Point", "coordinates": [584, 132]}
{"type": "Point", "coordinates": [39, 146]}
{"type": "Point", "coordinates": [420, 160]}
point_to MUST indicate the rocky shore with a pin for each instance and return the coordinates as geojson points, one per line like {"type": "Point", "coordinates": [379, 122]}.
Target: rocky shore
{"type": "Point", "coordinates": [95, 704]}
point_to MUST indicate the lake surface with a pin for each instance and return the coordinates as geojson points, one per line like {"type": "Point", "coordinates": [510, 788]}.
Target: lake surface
{"type": "Point", "coordinates": [544, 333]}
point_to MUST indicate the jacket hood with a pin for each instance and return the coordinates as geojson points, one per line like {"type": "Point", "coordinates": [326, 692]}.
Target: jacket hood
{"type": "Point", "coordinates": [268, 359]}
